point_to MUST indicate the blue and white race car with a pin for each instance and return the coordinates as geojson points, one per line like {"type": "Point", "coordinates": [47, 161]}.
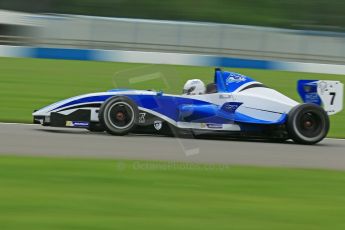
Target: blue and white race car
{"type": "Point", "coordinates": [233, 105]}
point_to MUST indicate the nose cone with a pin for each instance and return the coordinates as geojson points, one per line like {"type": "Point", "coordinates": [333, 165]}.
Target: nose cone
{"type": "Point", "coordinates": [41, 112]}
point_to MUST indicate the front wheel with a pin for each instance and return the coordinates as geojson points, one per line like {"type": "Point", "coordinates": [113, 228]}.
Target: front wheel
{"type": "Point", "coordinates": [307, 124]}
{"type": "Point", "coordinates": [118, 115]}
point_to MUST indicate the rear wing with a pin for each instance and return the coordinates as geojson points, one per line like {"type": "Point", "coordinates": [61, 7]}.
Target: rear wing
{"type": "Point", "coordinates": [328, 94]}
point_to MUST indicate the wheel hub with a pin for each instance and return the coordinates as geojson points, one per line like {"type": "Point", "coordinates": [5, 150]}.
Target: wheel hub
{"type": "Point", "coordinates": [308, 124]}
{"type": "Point", "coordinates": [120, 116]}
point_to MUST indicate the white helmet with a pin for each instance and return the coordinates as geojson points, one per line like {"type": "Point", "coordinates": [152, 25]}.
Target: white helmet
{"type": "Point", "coordinates": [194, 87]}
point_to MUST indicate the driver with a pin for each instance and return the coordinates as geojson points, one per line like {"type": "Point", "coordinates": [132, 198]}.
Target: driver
{"type": "Point", "coordinates": [194, 87]}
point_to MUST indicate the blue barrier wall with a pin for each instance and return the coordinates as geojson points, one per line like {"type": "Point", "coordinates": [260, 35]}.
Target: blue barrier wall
{"type": "Point", "coordinates": [166, 58]}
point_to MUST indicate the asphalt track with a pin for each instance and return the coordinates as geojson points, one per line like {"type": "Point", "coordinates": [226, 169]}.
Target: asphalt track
{"type": "Point", "coordinates": [17, 139]}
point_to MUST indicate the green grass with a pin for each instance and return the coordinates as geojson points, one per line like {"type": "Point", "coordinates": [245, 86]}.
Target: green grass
{"type": "Point", "coordinates": [56, 193]}
{"type": "Point", "coordinates": [28, 84]}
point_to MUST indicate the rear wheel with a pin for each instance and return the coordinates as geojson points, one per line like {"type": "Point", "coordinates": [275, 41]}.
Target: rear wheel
{"type": "Point", "coordinates": [308, 124]}
{"type": "Point", "coordinates": [118, 115]}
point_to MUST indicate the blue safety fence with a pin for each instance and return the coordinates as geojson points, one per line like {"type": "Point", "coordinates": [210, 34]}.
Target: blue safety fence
{"type": "Point", "coordinates": [166, 58]}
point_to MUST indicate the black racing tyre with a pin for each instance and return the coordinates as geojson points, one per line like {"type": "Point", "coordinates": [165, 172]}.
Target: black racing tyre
{"type": "Point", "coordinates": [307, 124]}
{"type": "Point", "coordinates": [118, 115]}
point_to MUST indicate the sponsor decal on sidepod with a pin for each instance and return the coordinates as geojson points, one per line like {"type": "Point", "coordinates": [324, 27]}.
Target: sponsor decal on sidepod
{"type": "Point", "coordinates": [77, 123]}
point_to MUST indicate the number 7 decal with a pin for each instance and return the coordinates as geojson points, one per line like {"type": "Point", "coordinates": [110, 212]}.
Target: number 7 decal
{"type": "Point", "coordinates": [333, 97]}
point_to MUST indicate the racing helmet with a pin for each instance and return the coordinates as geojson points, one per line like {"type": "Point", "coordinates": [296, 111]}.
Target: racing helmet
{"type": "Point", "coordinates": [194, 87]}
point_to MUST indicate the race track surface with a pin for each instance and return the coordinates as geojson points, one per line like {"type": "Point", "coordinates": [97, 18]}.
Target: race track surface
{"type": "Point", "coordinates": [19, 139]}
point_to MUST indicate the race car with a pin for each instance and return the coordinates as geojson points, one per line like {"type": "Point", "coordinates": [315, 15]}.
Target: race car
{"type": "Point", "coordinates": [233, 105]}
